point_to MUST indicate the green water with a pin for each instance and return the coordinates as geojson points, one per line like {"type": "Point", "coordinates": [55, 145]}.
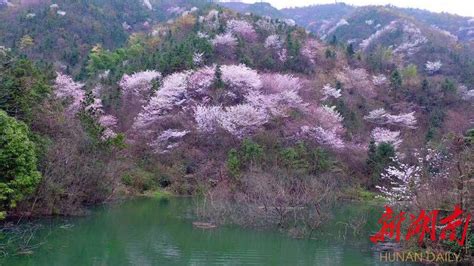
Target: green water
{"type": "Point", "coordinates": [157, 232]}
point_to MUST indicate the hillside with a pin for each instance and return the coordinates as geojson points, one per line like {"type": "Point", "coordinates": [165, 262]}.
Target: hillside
{"type": "Point", "coordinates": [114, 99]}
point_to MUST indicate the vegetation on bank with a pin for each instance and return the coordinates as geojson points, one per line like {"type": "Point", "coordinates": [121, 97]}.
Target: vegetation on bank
{"type": "Point", "coordinates": [268, 123]}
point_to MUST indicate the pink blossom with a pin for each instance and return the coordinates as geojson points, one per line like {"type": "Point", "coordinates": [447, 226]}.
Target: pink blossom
{"type": "Point", "coordinates": [226, 40]}
{"type": "Point", "coordinates": [201, 79]}
{"type": "Point", "coordinates": [95, 107]}
{"type": "Point", "coordinates": [383, 135]}
{"type": "Point", "coordinates": [171, 94]}
{"type": "Point", "coordinates": [167, 140]}
{"type": "Point", "coordinates": [310, 49]}
{"type": "Point", "coordinates": [433, 67]}
{"type": "Point", "coordinates": [66, 89]}
{"type": "Point", "coordinates": [329, 119]}
{"type": "Point", "coordinates": [381, 117]}
{"type": "Point", "coordinates": [324, 136]}
{"type": "Point", "coordinates": [277, 104]}
{"type": "Point", "coordinates": [273, 42]}
{"type": "Point", "coordinates": [329, 91]}
{"type": "Point", "coordinates": [240, 77]}
{"type": "Point", "coordinates": [207, 117]}
{"type": "Point", "coordinates": [108, 121]}
{"type": "Point", "coordinates": [379, 80]}
{"type": "Point", "coordinates": [280, 83]}
{"type": "Point", "coordinates": [242, 28]}
{"type": "Point", "coordinates": [242, 119]}
{"type": "Point", "coordinates": [358, 81]}
{"type": "Point", "coordinates": [138, 83]}
{"type": "Point", "coordinates": [225, 44]}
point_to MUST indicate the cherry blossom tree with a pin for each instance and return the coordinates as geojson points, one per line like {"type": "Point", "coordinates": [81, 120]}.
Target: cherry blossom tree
{"type": "Point", "coordinates": [225, 44]}
{"type": "Point", "coordinates": [167, 140]}
{"type": "Point", "coordinates": [310, 49]}
{"type": "Point", "coordinates": [280, 82]}
{"type": "Point", "coordinates": [329, 91]}
{"type": "Point", "coordinates": [358, 81]}
{"type": "Point", "coordinates": [241, 120]}
{"type": "Point", "coordinates": [138, 83]}
{"type": "Point", "coordinates": [273, 42]}
{"type": "Point", "coordinates": [324, 136]}
{"type": "Point", "coordinates": [383, 135]}
{"type": "Point", "coordinates": [404, 181]}
{"type": "Point", "coordinates": [242, 28]}
{"type": "Point", "coordinates": [433, 67]}
{"type": "Point", "coordinates": [241, 77]}
{"type": "Point", "coordinates": [207, 118]}
{"type": "Point", "coordinates": [202, 79]}
{"type": "Point", "coordinates": [277, 104]}
{"type": "Point", "coordinates": [66, 89]}
{"type": "Point", "coordinates": [381, 117]}
{"type": "Point", "coordinates": [379, 80]}
{"type": "Point", "coordinates": [329, 118]}
{"type": "Point", "coordinates": [198, 58]}
{"type": "Point", "coordinates": [171, 94]}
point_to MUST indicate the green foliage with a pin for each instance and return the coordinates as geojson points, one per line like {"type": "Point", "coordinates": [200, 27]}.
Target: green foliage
{"type": "Point", "coordinates": [448, 86]}
{"type": "Point", "coordinates": [22, 87]}
{"type": "Point", "coordinates": [410, 72]}
{"type": "Point", "coordinates": [233, 163]}
{"type": "Point", "coordinates": [469, 138]}
{"type": "Point", "coordinates": [218, 82]}
{"type": "Point", "coordinates": [379, 157]}
{"type": "Point", "coordinates": [396, 80]}
{"type": "Point", "coordinates": [251, 151]}
{"type": "Point", "coordinates": [380, 58]}
{"type": "Point", "coordinates": [18, 162]}
{"type": "Point", "coordinates": [350, 50]}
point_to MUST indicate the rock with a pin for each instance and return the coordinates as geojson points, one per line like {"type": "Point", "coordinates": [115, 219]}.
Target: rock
{"type": "Point", "coordinates": [204, 225]}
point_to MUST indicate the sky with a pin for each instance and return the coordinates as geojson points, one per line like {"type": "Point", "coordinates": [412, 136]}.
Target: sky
{"type": "Point", "coordinates": [460, 7]}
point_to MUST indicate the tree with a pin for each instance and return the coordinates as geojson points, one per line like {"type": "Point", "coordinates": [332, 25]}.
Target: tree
{"type": "Point", "coordinates": [242, 28]}
{"type": "Point", "coordinates": [218, 83]}
{"type": "Point", "coordinates": [233, 163]}
{"type": "Point", "coordinates": [18, 163]}
{"type": "Point", "coordinates": [379, 157]}
{"type": "Point", "coordinates": [350, 50]}
{"type": "Point", "coordinates": [396, 80]}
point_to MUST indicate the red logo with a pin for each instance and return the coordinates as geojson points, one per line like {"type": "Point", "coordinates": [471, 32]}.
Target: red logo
{"type": "Point", "coordinates": [423, 225]}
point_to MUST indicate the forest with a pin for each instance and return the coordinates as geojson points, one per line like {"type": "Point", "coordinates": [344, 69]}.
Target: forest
{"type": "Point", "coordinates": [268, 122]}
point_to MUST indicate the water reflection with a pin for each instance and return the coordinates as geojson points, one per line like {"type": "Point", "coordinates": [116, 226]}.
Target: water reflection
{"type": "Point", "coordinates": [154, 232]}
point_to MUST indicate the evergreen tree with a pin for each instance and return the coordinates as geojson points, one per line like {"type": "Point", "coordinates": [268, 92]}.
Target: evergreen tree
{"type": "Point", "coordinates": [18, 163]}
{"type": "Point", "coordinates": [350, 50]}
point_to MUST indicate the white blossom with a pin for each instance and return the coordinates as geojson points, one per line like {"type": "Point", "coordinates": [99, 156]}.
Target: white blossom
{"type": "Point", "coordinates": [208, 117]}
{"type": "Point", "coordinates": [198, 58]}
{"type": "Point", "coordinates": [242, 119]}
{"type": "Point", "coordinates": [168, 140]}
{"type": "Point", "coordinates": [241, 77]}
{"type": "Point", "coordinates": [172, 93]}
{"type": "Point", "coordinates": [139, 83]}
{"type": "Point", "coordinates": [383, 135]}
{"type": "Point", "coordinates": [324, 136]}
{"type": "Point", "coordinates": [329, 91]}
{"type": "Point", "coordinates": [66, 89]}
{"type": "Point", "coordinates": [379, 80]}
{"type": "Point", "coordinates": [404, 181]}
{"type": "Point", "coordinates": [433, 67]}
{"type": "Point", "coordinates": [381, 117]}
{"type": "Point", "coordinates": [273, 41]}
{"type": "Point", "coordinates": [147, 4]}
{"type": "Point", "coordinates": [241, 28]}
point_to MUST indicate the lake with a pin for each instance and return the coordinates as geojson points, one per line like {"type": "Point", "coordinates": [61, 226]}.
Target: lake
{"type": "Point", "coordinates": [148, 231]}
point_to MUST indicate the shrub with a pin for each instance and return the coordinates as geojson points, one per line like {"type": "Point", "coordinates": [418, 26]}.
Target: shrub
{"type": "Point", "coordinates": [233, 163]}
{"type": "Point", "coordinates": [18, 163]}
